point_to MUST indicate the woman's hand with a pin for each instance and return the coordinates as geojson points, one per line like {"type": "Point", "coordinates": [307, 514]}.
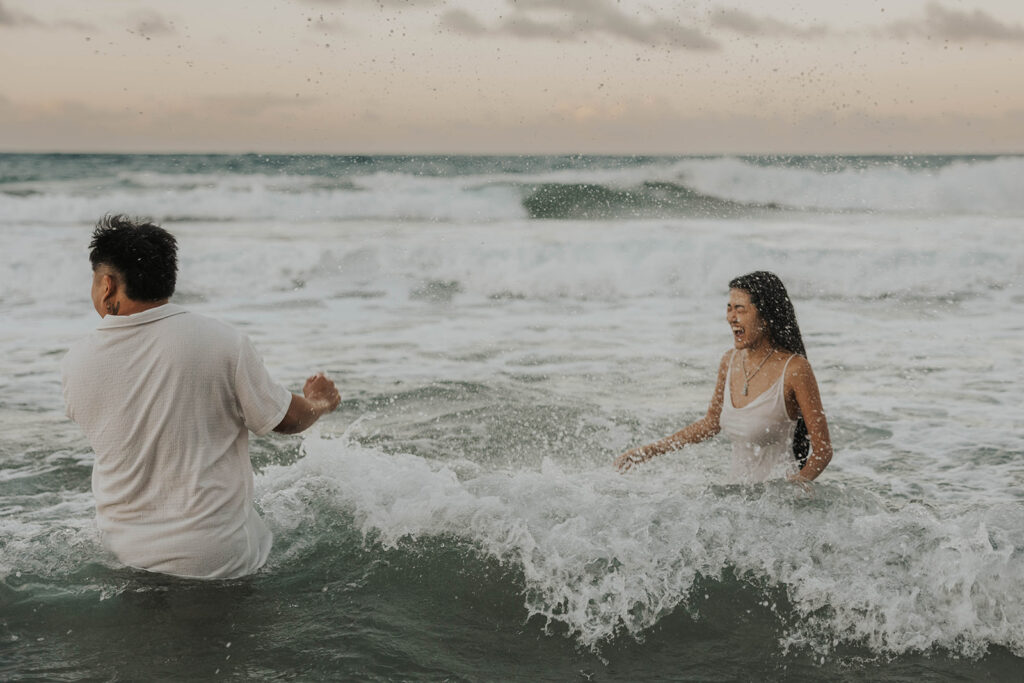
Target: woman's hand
{"type": "Point", "coordinates": [801, 481]}
{"type": "Point", "coordinates": [633, 456]}
{"type": "Point", "coordinates": [701, 430]}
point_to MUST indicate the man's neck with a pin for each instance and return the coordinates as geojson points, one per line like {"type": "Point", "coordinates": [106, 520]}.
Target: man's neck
{"type": "Point", "coordinates": [131, 307]}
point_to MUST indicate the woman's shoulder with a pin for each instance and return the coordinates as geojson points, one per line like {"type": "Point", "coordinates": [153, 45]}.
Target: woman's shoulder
{"type": "Point", "coordinates": [798, 367]}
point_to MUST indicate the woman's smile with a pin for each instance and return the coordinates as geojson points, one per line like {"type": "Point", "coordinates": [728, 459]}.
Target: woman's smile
{"type": "Point", "coordinates": [744, 319]}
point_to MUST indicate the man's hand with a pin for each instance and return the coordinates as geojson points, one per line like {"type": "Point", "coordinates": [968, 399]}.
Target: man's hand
{"type": "Point", "coordinates": [320, 397]}
{"type": "Point", "coordinates": [320, 390]}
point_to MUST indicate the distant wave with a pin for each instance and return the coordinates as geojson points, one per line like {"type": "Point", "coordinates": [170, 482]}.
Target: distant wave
{"type": "Point", "coordinates": [650, 199]}
{"type": "Point", "coordinates": [948, 185]}
{"type": "Point", "coordinates": [79, 189]}
{"type": "Point", "coordinates": [857, 258]}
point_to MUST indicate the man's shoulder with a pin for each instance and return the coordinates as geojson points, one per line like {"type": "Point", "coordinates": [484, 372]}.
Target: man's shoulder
{"type": "Point", "coordinates": [206, 329]}
{"type": "Point", "coordinates": [78, 350]}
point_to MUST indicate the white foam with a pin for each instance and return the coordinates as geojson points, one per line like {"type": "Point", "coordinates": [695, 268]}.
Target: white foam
{"type": "Point", "coordinates": [864, 258]}
{"type": "Point", "coordinates": [603, 553]}
{"type": "Point", "coordinates": [48, 534]}
{"type": "Point", "coordinates": [256, 197]}
{"type": "Point", "coordinates": [989, 186]}
{"type": "Point", "coordinates": [966, 187]}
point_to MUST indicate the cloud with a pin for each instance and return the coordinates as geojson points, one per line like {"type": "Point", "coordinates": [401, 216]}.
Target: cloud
{"type": "Point", "coordinates": [575, 19]}
{"type": "Point", "coordinates": [566, 20]}
{"type": "Point", "coordinates": [150, 24]}
{"type": "Point", "coordinates": [461, 21]}
{"type": "Point", "coordinates": [951, 24]}
{"type": "Point", "coordinates": [14, 18]}
{"type": "Point", "coordinates": [751, 25]}
{"type": "Point", "coordinates": [325, 25]}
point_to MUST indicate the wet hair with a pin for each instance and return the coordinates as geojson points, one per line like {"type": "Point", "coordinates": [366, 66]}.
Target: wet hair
{"type": "Point", "coordinates": [143, 254]}
{"type": "Point", "coordinates": [769, 297]}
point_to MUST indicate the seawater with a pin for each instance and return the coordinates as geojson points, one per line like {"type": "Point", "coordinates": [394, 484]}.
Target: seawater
{"type": "Point", "coordinates": [500, 329]}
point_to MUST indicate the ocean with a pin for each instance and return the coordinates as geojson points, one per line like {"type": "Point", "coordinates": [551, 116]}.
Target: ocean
{"type": "Point", "coordinates": [500, 328]}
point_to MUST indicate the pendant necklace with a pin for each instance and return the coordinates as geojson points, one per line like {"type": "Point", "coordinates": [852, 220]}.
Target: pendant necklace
{"type": "Point", "coordinates": [746, 377]}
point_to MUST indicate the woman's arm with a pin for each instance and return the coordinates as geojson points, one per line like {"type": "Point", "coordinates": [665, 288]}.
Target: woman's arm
{"type": "Point", "coordinates": [701, 430]}
{"type": "Point", "coordinates": [808, 400]}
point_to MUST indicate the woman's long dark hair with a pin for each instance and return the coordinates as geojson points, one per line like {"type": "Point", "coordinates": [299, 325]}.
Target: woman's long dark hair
{"type": "Point", "coordinates": [769, 297]}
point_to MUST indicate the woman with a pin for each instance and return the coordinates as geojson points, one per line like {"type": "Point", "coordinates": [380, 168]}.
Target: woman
{"type": "Point", "coordinates": [766, 400]}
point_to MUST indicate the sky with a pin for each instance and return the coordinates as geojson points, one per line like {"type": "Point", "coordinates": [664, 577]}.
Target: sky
{"type": "Point", "coordinates": [512, 76]}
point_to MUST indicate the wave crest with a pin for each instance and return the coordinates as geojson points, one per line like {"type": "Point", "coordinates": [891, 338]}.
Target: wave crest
{"type": "Point", "coordinates": [76, 189]}
{"type": "Point", "coordinates": [650, 199]}
{"type": "Point", "coordinates": [602, 554]}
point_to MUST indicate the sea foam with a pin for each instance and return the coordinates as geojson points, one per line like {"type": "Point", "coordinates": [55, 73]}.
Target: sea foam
{"type": "Point", "coordinates": [605, 554]}
{"type": "Point", "coordinates": [601, 188]}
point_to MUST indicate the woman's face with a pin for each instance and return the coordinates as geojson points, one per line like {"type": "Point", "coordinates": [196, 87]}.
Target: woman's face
{"type": "Point", "coordinates": [748, 328]}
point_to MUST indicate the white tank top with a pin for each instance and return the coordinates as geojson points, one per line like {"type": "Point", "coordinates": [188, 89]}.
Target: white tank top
{"type": "Point", "coordinates": [761, 432]}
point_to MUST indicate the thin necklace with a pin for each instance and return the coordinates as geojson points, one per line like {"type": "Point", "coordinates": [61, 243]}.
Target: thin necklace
{"type": "Point", "coordinates": [743, 365]}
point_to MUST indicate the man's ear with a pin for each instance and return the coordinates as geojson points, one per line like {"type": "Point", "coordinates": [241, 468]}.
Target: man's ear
{"type": "Point", "coordinates": [111, 293]}
{"type": "Point", "coordinates": [109, 283]}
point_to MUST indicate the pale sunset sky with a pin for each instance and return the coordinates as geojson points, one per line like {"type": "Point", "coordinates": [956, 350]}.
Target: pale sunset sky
{"type": "Point", "coordinates": [512, 76]}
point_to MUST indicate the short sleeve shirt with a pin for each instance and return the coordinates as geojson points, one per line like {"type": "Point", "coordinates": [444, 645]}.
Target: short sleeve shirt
{"type": "Point", "coordinates": [166, 399]}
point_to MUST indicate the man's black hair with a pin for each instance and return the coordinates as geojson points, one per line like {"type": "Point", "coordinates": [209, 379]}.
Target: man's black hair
{"type": "Point", "coordinates": [144, 254]}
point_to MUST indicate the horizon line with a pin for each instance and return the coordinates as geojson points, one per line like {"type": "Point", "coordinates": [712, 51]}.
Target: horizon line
{"type": "Point", "coordinates": [9, 152]}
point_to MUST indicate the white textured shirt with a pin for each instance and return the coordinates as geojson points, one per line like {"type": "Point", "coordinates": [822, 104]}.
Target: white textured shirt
{"type": "Point", "coordinates": [167, 399]}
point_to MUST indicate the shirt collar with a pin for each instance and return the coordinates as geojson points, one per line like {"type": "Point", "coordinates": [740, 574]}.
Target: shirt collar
{"type": "Point", "coordinates": [143, 318]}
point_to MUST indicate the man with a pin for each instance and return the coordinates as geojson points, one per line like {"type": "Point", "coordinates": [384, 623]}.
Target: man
{"type": "Point", "coordinates": [167, 398]}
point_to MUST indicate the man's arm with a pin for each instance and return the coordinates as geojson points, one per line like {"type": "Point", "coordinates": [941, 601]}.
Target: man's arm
{"type": "Point", "coordinates": [320, 397]}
